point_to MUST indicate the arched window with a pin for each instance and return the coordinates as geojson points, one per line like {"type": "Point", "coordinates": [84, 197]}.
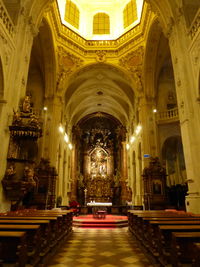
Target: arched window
{"type": "Point", "coordinates": [130, 13]}
{"type": "Point", "coordinates": [101, 24]}
{"type": "Point", "coordinates": [72, 14]}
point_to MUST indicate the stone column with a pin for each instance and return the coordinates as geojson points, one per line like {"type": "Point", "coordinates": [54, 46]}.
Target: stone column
{"type": "Point", "coordinates": [124, 172]}
{"type": "Point", "coordinates": [51, 133]}
{"type": "Point", "coordinates": [146, 142]}
{"type": "Point", "coordinates": [189, 111]}
{"type": "Point", "coordinates": [75, 162]}
{"type": "Point", "coordinates": [148, 132]}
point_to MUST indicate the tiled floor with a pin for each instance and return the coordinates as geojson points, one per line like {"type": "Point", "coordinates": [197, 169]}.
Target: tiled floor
{"type": "Point", "coordinates": [100, 248]}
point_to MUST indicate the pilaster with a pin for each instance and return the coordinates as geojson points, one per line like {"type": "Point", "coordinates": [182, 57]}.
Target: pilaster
{"type": "Point", "coordinates": [189, 111]}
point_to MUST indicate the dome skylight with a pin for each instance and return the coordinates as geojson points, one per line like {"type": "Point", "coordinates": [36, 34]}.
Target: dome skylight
{"type": "Point", "coordinates": [102, 19]}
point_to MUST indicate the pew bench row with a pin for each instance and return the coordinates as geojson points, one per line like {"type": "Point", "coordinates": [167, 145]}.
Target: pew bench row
{"type": "Point", "coordinates": [31, 238]}
{"type": "Point", "coordinates": [171, 238]}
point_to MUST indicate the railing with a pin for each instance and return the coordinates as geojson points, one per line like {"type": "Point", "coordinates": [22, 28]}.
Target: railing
{"type": "Point", "coordinates": [169, 115]}
{"type": "Point", "coordinates": [195, 26]}
{"type": "Point", "coordinates": [6, 20]}
{"type": "Point", "coordinates": [102, 43]}
{"type": "Point", "coordinates": [114, 47]}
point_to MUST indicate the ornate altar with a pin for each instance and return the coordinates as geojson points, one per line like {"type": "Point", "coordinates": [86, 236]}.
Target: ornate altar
{"type": "Point", "coordinates": [154, 178]}
{"type": "Point", "coordinates": [20, 178]}
{"type": "Point", "coordinates": [99, 189]}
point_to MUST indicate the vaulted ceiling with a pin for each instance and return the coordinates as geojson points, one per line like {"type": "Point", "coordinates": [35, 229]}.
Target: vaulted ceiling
{"type": "Point", "coordinates": [99, 88]}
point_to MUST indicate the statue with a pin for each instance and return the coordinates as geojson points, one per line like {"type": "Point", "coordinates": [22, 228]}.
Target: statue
{"type": "Point", "coordinates": [26, 106]}
{"type": "Point", "coordinates": [34, 121]}
{"type": "Point", "coordinates": [10, 171]}
{"type": "Point", "coordinates": [16, 118]}
{"type": "Point", "coordinates": [29, 174]}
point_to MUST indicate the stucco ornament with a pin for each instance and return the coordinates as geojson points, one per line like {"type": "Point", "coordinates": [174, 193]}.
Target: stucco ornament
{"type": "Point", "coordinates": [100, 56]}
{"type": "Point", "coordinates": [133, 62]}
{"type": "Point", "coordinates": [68, 63]}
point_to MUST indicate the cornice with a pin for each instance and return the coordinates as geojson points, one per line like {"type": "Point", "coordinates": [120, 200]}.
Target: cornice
{"type": "Point", "coordinates": [90, 48]}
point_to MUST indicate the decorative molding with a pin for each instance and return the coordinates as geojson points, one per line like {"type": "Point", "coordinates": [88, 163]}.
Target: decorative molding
{"type": "Point", "coordinates": [133, 62]}
{"type": "Point", "coordinates": [68, 63]}
{"type": "Point", "coordinates": [169, 28]}
{"type": "Point", "coordinates": [100, 56]}
{"type": "Point", "coordinates": [33, 28]}
{"type": "Point", "coordinates": [88, 48]}
{"type": "Point", "coordinates": [195, 26]}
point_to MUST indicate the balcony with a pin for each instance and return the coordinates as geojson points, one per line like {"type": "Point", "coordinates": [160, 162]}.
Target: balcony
{"type": "Point", "coordinates": [167, 116]}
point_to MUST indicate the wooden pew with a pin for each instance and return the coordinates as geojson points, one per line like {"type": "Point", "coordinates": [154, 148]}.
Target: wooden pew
{"type": "Point", "coordinates": [196, 260]}
{"type": "Point", "coordinates": [13, 248]}
{"type": "Point", "coordinates": [137, 224]}
{"type": "Point", "coordinates": [45, 236]}
{"type": "Point", "coordinates": [59, 226]}
{"type": "Point", "coordinates": [140, 224]}
{"type": "Point", "coordinates": [33, 239]}
{"type": "Point", "coordinates": [182, 247]}
{"type": "Point", "coordinates": [151, 232]}
{"type": "Point", "coordinates": [165, 239]}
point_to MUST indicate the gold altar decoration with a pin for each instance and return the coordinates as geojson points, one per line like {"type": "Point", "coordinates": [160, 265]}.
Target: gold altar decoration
{"type": "Point", "coordinates": [99, 189]}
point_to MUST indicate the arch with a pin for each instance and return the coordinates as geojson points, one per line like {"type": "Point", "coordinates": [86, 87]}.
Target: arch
{"type": "Point", "coordinates": [49, 56]}
{"type": "Point", "coordinates": [166, 11]}
{"type": "Point", "coordinates": [42, 68]}
{"type": "Point", "coordinates": [150, 55]}
{"type": "Point", "coordinates": [36, 10]}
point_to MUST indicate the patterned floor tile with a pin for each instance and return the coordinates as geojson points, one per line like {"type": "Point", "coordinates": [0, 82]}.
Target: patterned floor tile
{"type": "Point", "coordinates": [107, 265]}
{"type": "Point", "coordinates": [100, 248]}
{"type": "Point", "coordinates": [107, 254]}
{"type": "Point", "coordinates": [85, 260]}
{"type": "Point", "coordinates": [130, 259]}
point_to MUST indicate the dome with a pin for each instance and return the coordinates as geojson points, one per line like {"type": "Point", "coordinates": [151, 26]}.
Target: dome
{"type": "Point", "coordinates": [100, 20]}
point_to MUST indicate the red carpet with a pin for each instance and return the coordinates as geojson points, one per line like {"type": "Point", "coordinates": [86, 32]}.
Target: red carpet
{"type": "Point", "coordinates": [111, 221]}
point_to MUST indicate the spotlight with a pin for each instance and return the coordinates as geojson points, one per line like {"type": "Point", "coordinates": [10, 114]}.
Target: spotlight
{"type": "Point", "coordinates": [66, 138]}
{"type": "Point", "coordinates": [138, 129]}
{"type": "Point", "coordinates": [132, 139]}
{"type": "Point", "coordinates": [61, 129]}
{"type": "Point", "coordinates": [127, 146]}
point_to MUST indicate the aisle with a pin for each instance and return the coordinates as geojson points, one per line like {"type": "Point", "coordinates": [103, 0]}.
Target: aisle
{"type": "Point", "coordinates": [100, 248]}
